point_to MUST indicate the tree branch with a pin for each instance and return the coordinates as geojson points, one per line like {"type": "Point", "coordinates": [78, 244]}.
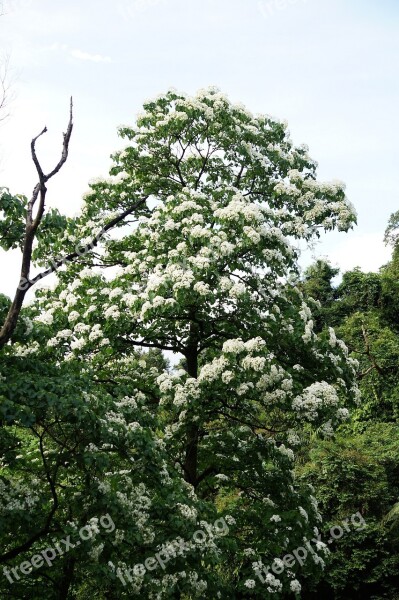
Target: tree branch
{"type": "Point", "coordinates": [5, 85]}
{"type": "Point", "coordinates": [84, 249]}
{"type": "Point", "coordinates": [31, 226]}
{"type": "Point", "coordinates": [46, 527]}
{"type": "Point", "coordinates": [368, 352]}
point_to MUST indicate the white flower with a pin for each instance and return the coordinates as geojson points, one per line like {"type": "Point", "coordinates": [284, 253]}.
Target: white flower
{"type": "Point", "coordinates": [95, 333]}
{"type": "Point", "coordinates": [87, 271]}
{"type": "Point", "coordinates": [227, 376]}
{"type": "Point", "coordinates": [225, 248]}
{"type": "Point", "coordinates": [293, 438]}
{"type": "Point", "coordinates": [273, 581]}
{"type": "Point", "coordinates": [129, 299]}
{"type": "Point", "coordinates": [165, 383]}
{"type": "Point", "coordinates": [213, 370]}
{"type": "Point", "coordinates": [225, 284]}
{"type": "Point", "coordinates": [257, 363]}
{"type": "Point", "coordinates": [46, 317]}
{"type": "Point", "coordinates": [158, 301]}
{"type": "Point", "coordinates": [303, 513]}
{"type": "Point", "coordinates": [78, 344]}
{"type": "Point", "coordinates": [70, 300]}
{"type": "Point", "coordinates": [252, 234]}
{"type": "Point", "coordinates": [230, 520]}
{"type": "Point", "coordinates": [250, 584]}
{"type": "Point", "coordinates": [307, 336]}
{"type": "Point", "coordinates": [115, 293]}
{"type": "Point", "coordinates": [187, 511]}
{"type": "Point", "coordinates": [65, 333]}
{"type": "Point", "coordinates": [25, 351]}
{"type": "Point", "coordinates": [327, 429]}
{"type": "Point", "coordinates": [275, 518]}
{"type": "Point", "coordinates": [286, 452]}
{"type": "Point", "coordinates": [343, 414]}
{"type": "Point", "coordinates": [233, 346]}
{"type": "Point", "coordinates": [96, 551]}
{"type": "Point", "coordinates": [295, 586]}
{"type": "Point", "coordinates": [333, 337]}
{"type": "Point", "coordinates": [237, 290]}
{"type": "Point", "coordinates": [202, 288]}
{"type": "Point", "coordinates": [81, 328]}
{"type": "Point", "coordinates": [315, 397]}
{"type": "Point", "coordinates": [112, 312]}
{"type": "Point", "coordinates": [255, 344]}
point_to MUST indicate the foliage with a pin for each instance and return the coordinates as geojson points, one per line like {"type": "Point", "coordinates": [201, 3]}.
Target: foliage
{"type": "Point", "coordinates": [100, 424]}
{"type": "Point", "coordinates": [12, 219]}
{"type": "Point", "coordinates": [350, 474]}
{"type": "Point", "coordinates": [358, 470]}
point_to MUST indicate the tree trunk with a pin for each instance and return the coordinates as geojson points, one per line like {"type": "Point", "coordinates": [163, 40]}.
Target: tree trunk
{"type": "Point", "coordinates": [67, 576]}
{"type": "Point", "coordinates": [191, 458]}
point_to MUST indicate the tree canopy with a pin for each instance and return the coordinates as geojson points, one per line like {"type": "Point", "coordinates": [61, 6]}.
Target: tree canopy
{"type": "Point", "coordinates": [174, 377]}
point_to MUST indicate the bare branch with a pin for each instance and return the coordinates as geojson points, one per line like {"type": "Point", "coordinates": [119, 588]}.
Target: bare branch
{"type": "Point", "coordinates": [33, 152]}
{"type": "Point", "coordinates": [31, 225]}
{"type": "Point", "coordinates": [65, 145]}
{"type": "Point", "coordinates": [5, 86]}
{"type": "Point", "coordinates": [45, 529]}
{"type": "Point", "coordinates": [85, 249]}
{"type": "Point", "coordinates": [370, 356]}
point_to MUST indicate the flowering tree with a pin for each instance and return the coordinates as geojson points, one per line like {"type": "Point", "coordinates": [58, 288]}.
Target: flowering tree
{"type": "Point", "coordinates": [206, 270]}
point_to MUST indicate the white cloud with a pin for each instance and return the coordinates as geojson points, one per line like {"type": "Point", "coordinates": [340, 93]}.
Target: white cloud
{"type": "Point", "coordinates": [92, 57]}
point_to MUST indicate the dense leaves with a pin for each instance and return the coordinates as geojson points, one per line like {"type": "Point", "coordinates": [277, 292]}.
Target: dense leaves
{"type": "Point", "coordinates": [12, 219]}
{"type": "Point", "coordinates": [358, 470]}
{"type": "Point", "coordinates": [96, 422]}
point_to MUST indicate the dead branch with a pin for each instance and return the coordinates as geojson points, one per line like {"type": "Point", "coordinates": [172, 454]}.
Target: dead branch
{"type": "Point", "coordinates": [31, 225]}
{"type": "Point", "coordinates": [6, 94]}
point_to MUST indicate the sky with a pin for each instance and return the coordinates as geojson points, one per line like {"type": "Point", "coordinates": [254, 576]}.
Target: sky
{"type": "Point", "coordinates": [329, 67]}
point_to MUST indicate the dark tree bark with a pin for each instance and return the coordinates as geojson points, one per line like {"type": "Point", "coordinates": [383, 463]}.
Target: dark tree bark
{"type": "Point", "coordinates": [191, 456]}
{"type": "Point", "coordinates": [67, 577]}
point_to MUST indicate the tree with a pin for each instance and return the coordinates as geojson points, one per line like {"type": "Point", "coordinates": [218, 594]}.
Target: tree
{"type": "Point", "coordinates": [362, 308]}
{"type": "Point", "coordinates": [358, 469]}
{"type": "Point", "coordinates": [205, 270]}
{"type": "Point", "coordinates": [317, 284]}
{"type": "Point", "coordinates": [357, 473]}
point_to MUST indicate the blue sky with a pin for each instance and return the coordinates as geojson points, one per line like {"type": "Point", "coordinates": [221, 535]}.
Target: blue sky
{"type": "Point", "coordinates": [329, 67]}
